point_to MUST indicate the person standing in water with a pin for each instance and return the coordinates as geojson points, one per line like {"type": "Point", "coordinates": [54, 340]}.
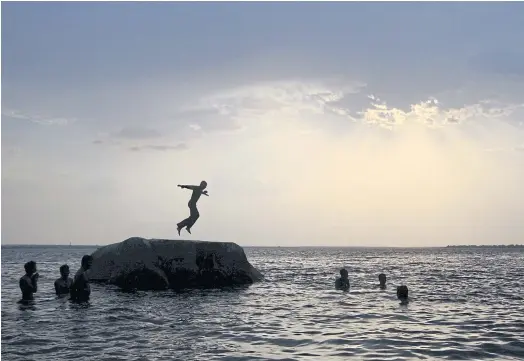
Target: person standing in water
{"type": "Point", "coordinates": [382, 280]}
{"type": "Point", "coordinates": [193, 211]}
{"type": "Point", "coordinates": [403, 294]}
{"type": "Point", "coordinates": [29, 281]}
{"type": "Point", "coordinates": [342, 282]}
{"type": "Point", "coordinates": [80, 289]}
{"type": "Point", "coordinates": [63, 284]}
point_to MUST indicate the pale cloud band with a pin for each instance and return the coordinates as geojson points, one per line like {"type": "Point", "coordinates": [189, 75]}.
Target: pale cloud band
{"type": "Point", "coordinates": [296, 99]}
{"type": "Point", "coordinates": [35, 118]}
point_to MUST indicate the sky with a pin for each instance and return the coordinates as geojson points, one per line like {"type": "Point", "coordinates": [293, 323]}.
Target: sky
{"type": "Point", "coordinates": [314, 124]}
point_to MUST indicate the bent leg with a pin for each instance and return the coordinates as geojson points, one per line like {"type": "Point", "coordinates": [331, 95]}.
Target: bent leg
{"type": "Point", "coordinates": [189, 221]}
{"type": "Point", "coordinates": [192, 221]}
{"type": "Point", "coordinates": [185, 222]}
{"type": "Point", "coordinates": [194, 215]}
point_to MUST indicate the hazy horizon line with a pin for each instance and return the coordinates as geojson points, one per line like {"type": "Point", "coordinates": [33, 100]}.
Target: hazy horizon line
{"type": "Point", "coordinates": [272, 246]}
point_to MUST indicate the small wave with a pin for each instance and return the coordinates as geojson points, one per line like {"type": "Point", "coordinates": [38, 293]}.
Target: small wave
{"type": "Point", "coordinates": [294, 315]}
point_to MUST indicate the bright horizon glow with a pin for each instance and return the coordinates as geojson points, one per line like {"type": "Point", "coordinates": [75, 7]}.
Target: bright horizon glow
{"type": "Point", "coordinates": [334, 133]}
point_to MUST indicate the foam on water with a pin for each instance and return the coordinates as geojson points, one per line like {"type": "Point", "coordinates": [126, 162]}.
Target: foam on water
{"type": "Point", "coordinates": [466, 304]}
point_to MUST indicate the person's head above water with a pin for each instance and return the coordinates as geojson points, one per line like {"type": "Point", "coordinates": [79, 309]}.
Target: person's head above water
{"type": "Point", "coordinates": [64, 271]}
{"type": "Point", "coordinates": [203, 184]}
{"type": "Point", "coordinates": [87, 260]}
{"type": "Point", "coordinates": [382, 279]}
{"type": "Point", "coordinates": [344, 273]}
{"type": "Point", "coordinates": [30, 267]}
{"type": "Point", "coordinates": [402, 292]}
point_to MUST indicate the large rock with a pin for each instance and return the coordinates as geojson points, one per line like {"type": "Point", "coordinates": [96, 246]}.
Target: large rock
{"type": "Point", "coordinates": [159, 264]}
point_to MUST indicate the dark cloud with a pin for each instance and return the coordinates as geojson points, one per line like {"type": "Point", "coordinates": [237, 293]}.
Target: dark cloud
{"type": "Point", "coordinates": [181, 146]}
{"type": "Point", "coordinates": [98, 141]}
{"type": "Point", "coordinates": [136, 133]}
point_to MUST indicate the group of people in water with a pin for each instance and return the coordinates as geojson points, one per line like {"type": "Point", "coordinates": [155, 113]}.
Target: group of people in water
{"type": "Point", "coordinates": [77, 287]}
{"type": "Point", "coordinates": [79, 290]}
{"type": "Point", "coordinates": [342, 283]}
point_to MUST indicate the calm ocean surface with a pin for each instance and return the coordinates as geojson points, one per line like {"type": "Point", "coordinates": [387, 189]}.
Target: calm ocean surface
{"type": "Point", "coordinates": [466, 304]}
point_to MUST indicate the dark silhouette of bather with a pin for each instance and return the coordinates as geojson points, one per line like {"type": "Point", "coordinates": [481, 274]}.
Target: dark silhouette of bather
{"type": "Point", "coordinates": [193, 211]}
{"type": "Point", "coordinates": [29, 281]}
{"type": "Point", "coordinates": [403, 294]}
{"type": "Point", "coordinates": [80, 289]}
{"type": "Point", "coordinates": [63, 284]}
{"type": "Point", "coordinates": [382, 280]}
{"type": "Point", "coordinates": [342, 282]}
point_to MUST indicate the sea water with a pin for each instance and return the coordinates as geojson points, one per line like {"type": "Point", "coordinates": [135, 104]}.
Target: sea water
{"type": "Point", "coordinates": [465, 304]}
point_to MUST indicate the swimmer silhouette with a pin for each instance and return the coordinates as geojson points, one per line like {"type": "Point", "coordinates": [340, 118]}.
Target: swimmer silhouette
{"type": "Point", "coordinates": [342, 282]}
{"type": "Point", "coordinates": [193, 211]}
{"type": "Point", "coordinates": [29, 281]}
{"type": "Point", "coordinates": [63, 283]}
{"type": "Point", "coordinates": [382, 280]}
{"type": "Point", "coordinates": [403, 294]}
{"type": "Point", "coordinates": [80, 289]}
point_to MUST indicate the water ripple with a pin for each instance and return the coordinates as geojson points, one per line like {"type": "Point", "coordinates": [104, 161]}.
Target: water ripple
{"type": "Point", "coordinates": [466, 304]}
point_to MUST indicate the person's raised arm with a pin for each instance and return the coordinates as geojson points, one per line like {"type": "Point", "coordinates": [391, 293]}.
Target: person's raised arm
{"type": "Point", "coordinates": [34, 281]}
{"type": "Point", "coordinates": [27, 286]}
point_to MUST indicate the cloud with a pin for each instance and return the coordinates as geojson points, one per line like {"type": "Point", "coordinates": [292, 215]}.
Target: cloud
{"type": "Point", "coordinates": [136, 133]}
{"type": "Point", "coordinates": [140, 147]}
{"type": "Point", "coordinates": [237, 108]}
{"type": "Point", "coordinates": [207, 120]}
{"type": "Point", "coordinates": [311, 104]}
{"type": "Point", "coordinates": [433, 114]}
{"type": "Point", "coordinates": [228, 109]}
{"type": "Point", "coordinates": [178, 147]}
{"type": "Point", "coordinates": [133, 138]}
{"type": "Point", "coordinates": [37, 119]}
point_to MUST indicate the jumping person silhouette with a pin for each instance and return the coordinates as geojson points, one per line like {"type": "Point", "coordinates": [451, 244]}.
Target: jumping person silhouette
{"type": "Point", "coordinates": [193, 211]}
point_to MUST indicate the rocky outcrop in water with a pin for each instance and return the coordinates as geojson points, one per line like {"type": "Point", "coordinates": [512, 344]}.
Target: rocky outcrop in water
{"type": "Point", "coordinates": [159, 264]}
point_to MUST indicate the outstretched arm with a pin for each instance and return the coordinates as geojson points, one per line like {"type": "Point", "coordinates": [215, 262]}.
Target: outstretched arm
{"type": "Point", "coordinates": [189, 187]}
{"type": "Point", "coordinates": [194, 188]}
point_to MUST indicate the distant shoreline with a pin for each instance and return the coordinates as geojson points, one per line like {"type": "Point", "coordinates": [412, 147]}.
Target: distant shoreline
{"type": "Point", "coordinates": [512, 246]}
{"type": "Point", "coordinates": [487, 246]}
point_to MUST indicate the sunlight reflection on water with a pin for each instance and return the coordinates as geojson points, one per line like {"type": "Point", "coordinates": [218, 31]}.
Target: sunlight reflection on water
{"type": "Point", "coordinates": [466, 304]}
